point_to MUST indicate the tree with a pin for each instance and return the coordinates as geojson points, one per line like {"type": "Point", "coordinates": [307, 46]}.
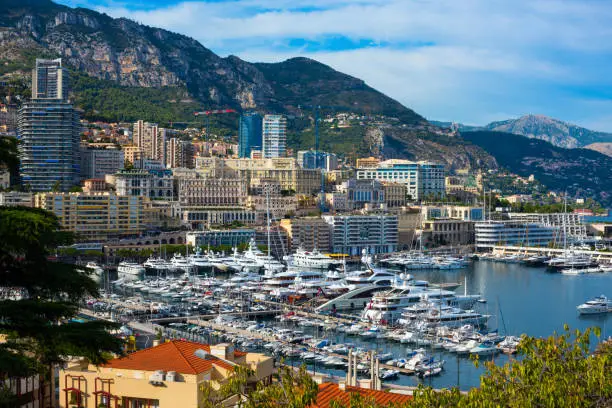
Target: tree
{"type": "Point", "coordinates": [36, 319]}
{"type": "Point", "coordinates": [290, 388]}
{"type": "Point", "coordinates": [558, 371]}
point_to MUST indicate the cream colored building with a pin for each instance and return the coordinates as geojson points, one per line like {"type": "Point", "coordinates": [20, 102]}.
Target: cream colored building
{"type": "Point", "coordinates": [308, 233]}
{"type": "Point", "coordinates": [97, 216]}
{"type": "Point", "coordinates": [171, 375]}
{"type": "Point", "coordinates": [132, 153]}
{"type": "Point", "coordinates": [212, 192]}
{"type": "Point", "coordinates": [368, 162]}
{"type": "Point", "coordinates": [285, 170]}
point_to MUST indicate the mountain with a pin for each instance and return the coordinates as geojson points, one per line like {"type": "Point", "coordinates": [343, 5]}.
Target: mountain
{"type": "Point", "coordinates": [581, 172]}
{"type": "Point", "coordinates": [134, 55]}
{"type": "Point", "coordinates": [604, 148]}
{"type": "Point", "coordinates": [557, 132]}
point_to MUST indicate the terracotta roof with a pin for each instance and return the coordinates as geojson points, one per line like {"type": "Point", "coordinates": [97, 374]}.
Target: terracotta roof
{"type": "Point", "coordinates": [176, 355]}
{"type": "Point", "coordinates": [329, 392]}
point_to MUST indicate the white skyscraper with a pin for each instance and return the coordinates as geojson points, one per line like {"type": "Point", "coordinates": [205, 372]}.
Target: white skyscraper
{"type": "Point", "coordinates": [151, 139]}
{"type": "Point", "coordinates": [274, 136]}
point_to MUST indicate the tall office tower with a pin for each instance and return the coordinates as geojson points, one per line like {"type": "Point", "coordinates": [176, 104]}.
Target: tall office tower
{"type": "Point", "coordinates": [49, 131]}
{"type": "Point", "coordinates": [274, 136]}
{"type": "Point", "coordinates": [151, 140]}
{"type": "Point", "coordinates": [250, 134]}
{"type": "Point", "coordinates": [49, 80]}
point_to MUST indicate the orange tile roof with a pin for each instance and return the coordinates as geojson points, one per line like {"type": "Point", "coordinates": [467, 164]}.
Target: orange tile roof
{"type": "Point", "coordinates": [329, 392]}
{"type": "Point", "coordinates": [175, 355]}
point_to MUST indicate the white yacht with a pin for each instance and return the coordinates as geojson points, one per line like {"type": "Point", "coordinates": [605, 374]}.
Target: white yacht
{"type": "Point", "coordinates": [158, 264]}
{"type": "Point", "coordinates": [311, 259]}
{"type": "Point", "coordinates": [405, 291]}
{"type": "Point", "coordinates": [200, 260]}
{"type": "Point", "coordinates": [367, 277]}
{"type": "Point", "coordinates": [600, 304]}
{"type": "Point", "coordinates": [268, 262]}
{"type": "Point", "coordinates": [97, 273]}
{"type": "Point", "coordinates": [178, 261]}
{"type": "Point", "coordinates": [130, 271]}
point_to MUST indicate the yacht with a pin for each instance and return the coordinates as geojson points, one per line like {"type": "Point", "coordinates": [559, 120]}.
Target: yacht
{"type": "Point", "coordinates": [200, 260]}
{"type": "Point", "coordinates": [158, 264]}
{"type": "Point", "coordinates": [130, 271]}
{"type": "Point", "coordinates": [311, 259]}
{"type": "Point", "coordinates": [95, 270]}
{"type": "Point", "coordinates": [367, 277]}
{"type": "Point", "coordinates": [406, 291]}
{"type": "Point", "coordinates": [178, 261]}
{"type": "Point", "coordinates": [268, 262]}
{"type": "Point", "coordinates": [600, 304]}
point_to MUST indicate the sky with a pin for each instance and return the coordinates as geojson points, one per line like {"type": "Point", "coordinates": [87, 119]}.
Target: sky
{"type": "Point", "coordinates": [469, 61]}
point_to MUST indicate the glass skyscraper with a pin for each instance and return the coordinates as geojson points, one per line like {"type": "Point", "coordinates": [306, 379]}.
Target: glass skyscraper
{"type": "Point", "coordinates": [250, 134]}
{"type": "Point", "coordinates": [49, 131]}
{"type": "Point", "coordinates": [274, 136]}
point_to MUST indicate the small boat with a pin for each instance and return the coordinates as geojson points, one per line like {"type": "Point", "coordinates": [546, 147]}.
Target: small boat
{"type": "Point", "coordinates": [429, 373]}
{"type": "Point", "coordinates": [600, 304]}
{"type": "Point", "coordinates": [487, 348]}
{"type": "Point", "coordinates": [388, 374]}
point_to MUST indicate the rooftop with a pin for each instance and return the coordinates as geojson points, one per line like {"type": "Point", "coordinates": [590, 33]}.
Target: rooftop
{"type": "Point", "coordinates": [329, 392]}
{"type": "Point", "coordinates": [176, 355]}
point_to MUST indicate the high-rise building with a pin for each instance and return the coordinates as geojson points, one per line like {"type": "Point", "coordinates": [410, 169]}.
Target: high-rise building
{"type": "Point", "coordinates": [249, 134]}
{"type": "Point", "coordinates": [274, 136]}
{"type": "Point", "coordinates": [49, 131]}
{"type": "Point", "coordinates": [179, 153]}
{"type": "Point", "coordinates": [49, 80]}
{"type": "Point", "coordinates": [151, 140]}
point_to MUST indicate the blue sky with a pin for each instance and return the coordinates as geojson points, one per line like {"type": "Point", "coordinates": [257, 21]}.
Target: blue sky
{"type": "Point", "coordinates": [470, 61]}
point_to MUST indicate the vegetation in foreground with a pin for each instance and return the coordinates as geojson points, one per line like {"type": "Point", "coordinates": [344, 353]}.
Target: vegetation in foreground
{"type": "Point", "coordinates": [558, 371]}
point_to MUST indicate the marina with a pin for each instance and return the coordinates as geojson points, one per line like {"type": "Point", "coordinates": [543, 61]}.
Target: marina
{"type": "Point", "coordinates": [479, 309]}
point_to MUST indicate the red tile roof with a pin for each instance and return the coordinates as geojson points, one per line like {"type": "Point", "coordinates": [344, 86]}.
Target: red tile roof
{"type": "Point", "coordinates": [176, 355]}
{"type": "Point", "coordinates": [329, 392]}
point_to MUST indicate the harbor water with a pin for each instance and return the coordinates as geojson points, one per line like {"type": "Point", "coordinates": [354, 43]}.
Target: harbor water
{"type": "Point", "coordinates": [520, 299]}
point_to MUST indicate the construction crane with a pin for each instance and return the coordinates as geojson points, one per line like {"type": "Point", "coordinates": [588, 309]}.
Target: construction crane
{"type": "Point", "coordinates": [208, 113]}
{"type": "Point", "coordinates": [315, 112]}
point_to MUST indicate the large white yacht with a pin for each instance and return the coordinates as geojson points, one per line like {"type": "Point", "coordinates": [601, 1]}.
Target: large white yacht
{"type": "Point", "coordinates": [600, 304]}
{"type": "Point", "coordinates": [311, 259]}
{"type": "Point", "coordinates": [268, 262]}
{"type": "Point", "coordinates": [96, 271]}
{"type": "Point", "coordinates": [200, 260]}
{"type": "Point", "coordinates": [178, 261]}
{"type": "Point", "coordinates": [130, 271]}
{"type": "Point", "coordinates": [405, 291]}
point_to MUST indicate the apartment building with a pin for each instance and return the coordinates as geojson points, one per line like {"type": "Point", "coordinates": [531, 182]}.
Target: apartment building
{"type": "Point", "coordinates": [98, 162]}
{"type": "Point", "coordinates": [179, 153]}
{"type": "Point", "coordinates": [515, 233]}
{"type": "Point", "coordinates": [132, 153]}
{"type": "Point", "coordinates": [97, 216]}
{"type": "Point", "coordinates": [151, 139]}
{"type": "Point", "coordinates": [352, 234]}
{"type": "Point", "coordinates": [308, 233]}
{"type": "Point", "coordinates": [23, 199]}
{"type": "Point", "coordinates": [422, 179]}
{"type": "Point", "coordinates": [172, 374]}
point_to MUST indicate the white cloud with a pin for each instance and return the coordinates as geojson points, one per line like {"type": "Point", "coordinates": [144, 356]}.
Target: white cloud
{"type": "Point", "coordinates": [468, 60]}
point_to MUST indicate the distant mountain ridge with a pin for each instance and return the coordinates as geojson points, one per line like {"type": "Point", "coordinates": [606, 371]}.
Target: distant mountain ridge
{"type": "Point", "coordinates": [554, 131]}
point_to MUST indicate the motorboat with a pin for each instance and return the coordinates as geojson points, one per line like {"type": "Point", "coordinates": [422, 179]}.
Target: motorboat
{"type": "Point", "coordinates": [597, 305]}
{"type": "Point", "coordinates": [96, 271]}
{"type": "Point", "coordinates": [487, 348]}
{"type": "Point", "coordinates": [178, 261]}
{"type": "Point", "coordinates": [200, 260]}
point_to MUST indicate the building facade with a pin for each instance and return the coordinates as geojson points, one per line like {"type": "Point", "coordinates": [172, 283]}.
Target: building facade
{"type": "Point", "coordinates": [96, 163]}
{"type": "Point", "coordinates": [308, 233]}
{"type": "Point", "coordinates": [151, 139]}
{"type": "Point", "coordinates": [49, 134]}
{"type": "Point", "coordinates": [23, 199]}
{"type": "Point", "coordinates": [249, 134]}
{"type": "Point", "coordinates": [310, 159]}
{"type": "Point", "coordinates": [49, 80]}
{"type": "Point", "coordinates": [447, 231]}
{"type": "Point", "coordinates": [513, 233]}
{"type": "Point", "coordinates": [229, 237]}
{"type": "Point", "coordinates": [97, 216]}
{"type": "Point", "coordinates": [171, 374]}
{"type": "Point", "coordinates": [274, 136]}
{"type": "Point", "coordinates": [155, 184]}
{"type": "Point", "coordinates": [179, 153]}
{"type": "Point", "coordinates": [422, 179]}
{"type": "Point", "coordinates": [352, 234]}
{"type": "Point", "coordinates": [212, 192]}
